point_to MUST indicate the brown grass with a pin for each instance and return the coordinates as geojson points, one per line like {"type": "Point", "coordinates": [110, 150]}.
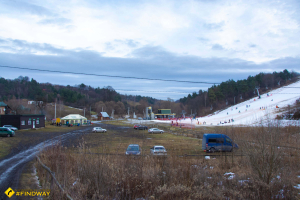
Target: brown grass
{"type": "Point", "coordinates": [93, 172]}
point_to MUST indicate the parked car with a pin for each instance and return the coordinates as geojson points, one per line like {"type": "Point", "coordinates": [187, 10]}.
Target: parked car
{"type": "Point", "coordinates": [158, 150]}
{"type": "Point", "coordinates": [140, 127]}
{"type": "Point", "coordinates": [11, 127]}
{"type": "Point", "coordinates": [212, 142]}
{"type": "Point", "coordinates": [7, 132]}
{"type": "Point", "coordinates": [155, 130]}
{"type": "Point", "coordinates": [99, 129]}
{"type": "Point", "coordinates": [139, 118]}
{"type": "Point", "coordinates": [133, 149]}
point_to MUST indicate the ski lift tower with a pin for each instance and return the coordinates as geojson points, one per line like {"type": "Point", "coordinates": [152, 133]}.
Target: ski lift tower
{"type": "Point", "coordinates": [183, 113]}
{"type": "Point", "coordinates": [149, 111]}
{"type": "Point", "coordinates": [257, 89]}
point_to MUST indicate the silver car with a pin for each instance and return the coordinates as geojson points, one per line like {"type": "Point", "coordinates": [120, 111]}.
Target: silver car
{"type": "Point", "coordinates": [155, 130]}
{"type": "Point", "coordinates": [158, 150]}
{"type": "Point", "coordinates": [10, 127]}
{"type": "Point", "coordinates": [99, 129]}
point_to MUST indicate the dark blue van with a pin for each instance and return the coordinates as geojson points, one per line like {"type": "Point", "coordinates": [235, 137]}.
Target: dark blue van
{"type": "Point", "coordinates": [212, 142]}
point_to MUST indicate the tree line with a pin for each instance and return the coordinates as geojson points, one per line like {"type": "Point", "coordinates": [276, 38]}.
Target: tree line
{"type": "Point", "coordinates": [107, 99]}
{"type": "Point", "coordinates": [232, 92]}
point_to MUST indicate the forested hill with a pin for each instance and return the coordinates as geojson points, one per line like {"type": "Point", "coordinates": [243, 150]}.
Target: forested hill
{"type": "Point", "coordinates": [76, 96]}
{"type": "Point", "coordinates": [82, 96]}
{"type": "Point", "coordinates": [232, 92]}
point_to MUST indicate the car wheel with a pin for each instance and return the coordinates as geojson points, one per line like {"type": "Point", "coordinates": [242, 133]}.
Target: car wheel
{"type": "Point", "coordinates": [8, 135]}
{"type": "Point", "coordinates": [212, 150]}
{"type": "Point", "coordinates": [161, 132]}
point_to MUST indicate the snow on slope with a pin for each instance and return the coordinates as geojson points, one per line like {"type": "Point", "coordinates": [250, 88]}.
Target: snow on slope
{"type": "Point", "coordinates": [258, 110]}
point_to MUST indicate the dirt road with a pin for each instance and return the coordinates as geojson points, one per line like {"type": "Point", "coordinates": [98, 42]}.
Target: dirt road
{"type": "Point", "coordinates": [12, 165]}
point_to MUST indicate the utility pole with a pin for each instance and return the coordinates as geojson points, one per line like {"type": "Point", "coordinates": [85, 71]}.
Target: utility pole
{"type": "Point", "coordinates": [55, 111]}
{"type": "Point", "coordinates": [84, 111]}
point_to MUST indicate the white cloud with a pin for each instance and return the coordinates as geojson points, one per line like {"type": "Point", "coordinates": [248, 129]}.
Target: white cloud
{"type": "Point", "coordinates": [174, 25]}
{"type": "Point", "coordinates": [176, 37]}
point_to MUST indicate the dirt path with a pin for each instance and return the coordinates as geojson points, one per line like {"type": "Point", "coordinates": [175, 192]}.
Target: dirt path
{"type": "Point", "coordinates": [11, 166]}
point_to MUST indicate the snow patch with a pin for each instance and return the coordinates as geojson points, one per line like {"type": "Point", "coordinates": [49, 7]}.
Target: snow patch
{"type": "Point", "coordinates": [230, 175]}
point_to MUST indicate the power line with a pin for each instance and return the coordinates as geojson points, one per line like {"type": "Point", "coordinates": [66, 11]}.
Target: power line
{"type": "Point", "coordinates": [105, 75]}
{"type": "Point", "coordinates": [153, 91]}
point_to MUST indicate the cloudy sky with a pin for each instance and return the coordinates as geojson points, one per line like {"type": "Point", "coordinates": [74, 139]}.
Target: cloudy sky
{"type": "Point", "coordinates": [190, 40]}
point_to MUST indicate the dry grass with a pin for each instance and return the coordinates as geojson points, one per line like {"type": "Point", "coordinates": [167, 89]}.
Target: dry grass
{"type": "Point", "coordinates": [90, 176]}
{"type": "Point", "coordinates": [100, 170]}
{"type": "Point", "coordinates": [116, 141]}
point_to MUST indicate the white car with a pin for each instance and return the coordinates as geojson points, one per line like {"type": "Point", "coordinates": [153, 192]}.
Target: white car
{"type": "Point", "coordinates": [158, 150]}
{"type": "Point", "coordinates": [99, 129]}
{"type": "Point", "coordinates": [10, 127]}
{"type": "Point", "coordinates": [155, 130]}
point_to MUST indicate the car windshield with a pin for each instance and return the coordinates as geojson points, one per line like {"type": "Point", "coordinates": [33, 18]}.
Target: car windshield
{"type": "Point", "coordinates": [159, 148]}
{"type": "Point", "coordinates": [133, 148]}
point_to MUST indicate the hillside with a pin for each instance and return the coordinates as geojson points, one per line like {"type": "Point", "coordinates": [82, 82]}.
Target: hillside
{"type": "Point", "coordinates": [256, 111]}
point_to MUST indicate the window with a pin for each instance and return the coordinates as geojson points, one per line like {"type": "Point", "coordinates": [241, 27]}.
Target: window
{"type": "Point", "coordinates": [37, 121]}
{"type": "Point", "coordinates": [29, 121]}
{"type": "Point", "coordinates": [23, 122]}
{"type": "Point", "coordinates": [228, 140]}
{"type": "Point", "coordinates": [220, 140]}
{"type": "Point", "coordinates": [212, 140]}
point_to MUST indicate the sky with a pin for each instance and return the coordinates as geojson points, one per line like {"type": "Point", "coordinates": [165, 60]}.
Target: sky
{"type": "Point", "coordinates": [207, 41]}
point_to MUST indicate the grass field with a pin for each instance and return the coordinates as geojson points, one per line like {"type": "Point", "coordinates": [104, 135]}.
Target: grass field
{"type": "Point", "coordinates": [116, 142]}
{"type": "Point", "coordinates": [98, 168]}
{"type": "Point", "coordinates": [265, 166]}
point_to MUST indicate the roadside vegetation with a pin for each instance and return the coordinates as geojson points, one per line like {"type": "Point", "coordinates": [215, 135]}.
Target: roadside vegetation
{"type": "Point", "coordinates": [264, 167]}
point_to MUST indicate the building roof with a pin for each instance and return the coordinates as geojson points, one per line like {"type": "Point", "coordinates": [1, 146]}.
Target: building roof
{"type": "Point", "coordinates": [2, 104]}
{"type": "Point", "coordinates": [104, 114]}
{"type": "Point", "coordinates": [73, 117]}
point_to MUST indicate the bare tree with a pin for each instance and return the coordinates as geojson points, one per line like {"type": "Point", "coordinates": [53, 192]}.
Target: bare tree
{"type": "Point", "coordinates": [265, 157]}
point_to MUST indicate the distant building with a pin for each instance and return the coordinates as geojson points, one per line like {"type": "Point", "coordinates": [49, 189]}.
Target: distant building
{"type": "Point", "coordinates": [103, 116]}
{"type": "Point", "coordinates": [164, 114]}
{"type": "Point", "coordinates": [4, 109]}
{"type": "Point", "coordinates": [74, 119]}
{"type": "Point", "coordinates": [23, 121]}
{"type": "Point", "coordinates": [35, 102]}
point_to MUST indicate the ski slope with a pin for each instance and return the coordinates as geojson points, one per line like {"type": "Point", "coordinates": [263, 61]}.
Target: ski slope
{"type": "Point", "coordinates": [254, 111]}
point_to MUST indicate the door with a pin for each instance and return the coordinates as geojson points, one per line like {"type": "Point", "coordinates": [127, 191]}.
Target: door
{"type": "Point", "coordinates": [228, 144]}
{"type": "Point", "coordinates": [33, 124]}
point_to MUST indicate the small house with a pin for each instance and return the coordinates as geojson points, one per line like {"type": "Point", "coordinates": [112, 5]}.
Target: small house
{"type": "Point", "coordinates": [74, 119]}
{"type": "Point", "coordinates": [103, 116]}
{"type": "Point", "coordinates": [23, 121]}
{"type": "Point", "coordinates": [164, 114]}
{"type": "Point", "coordinates": [4, 109]}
